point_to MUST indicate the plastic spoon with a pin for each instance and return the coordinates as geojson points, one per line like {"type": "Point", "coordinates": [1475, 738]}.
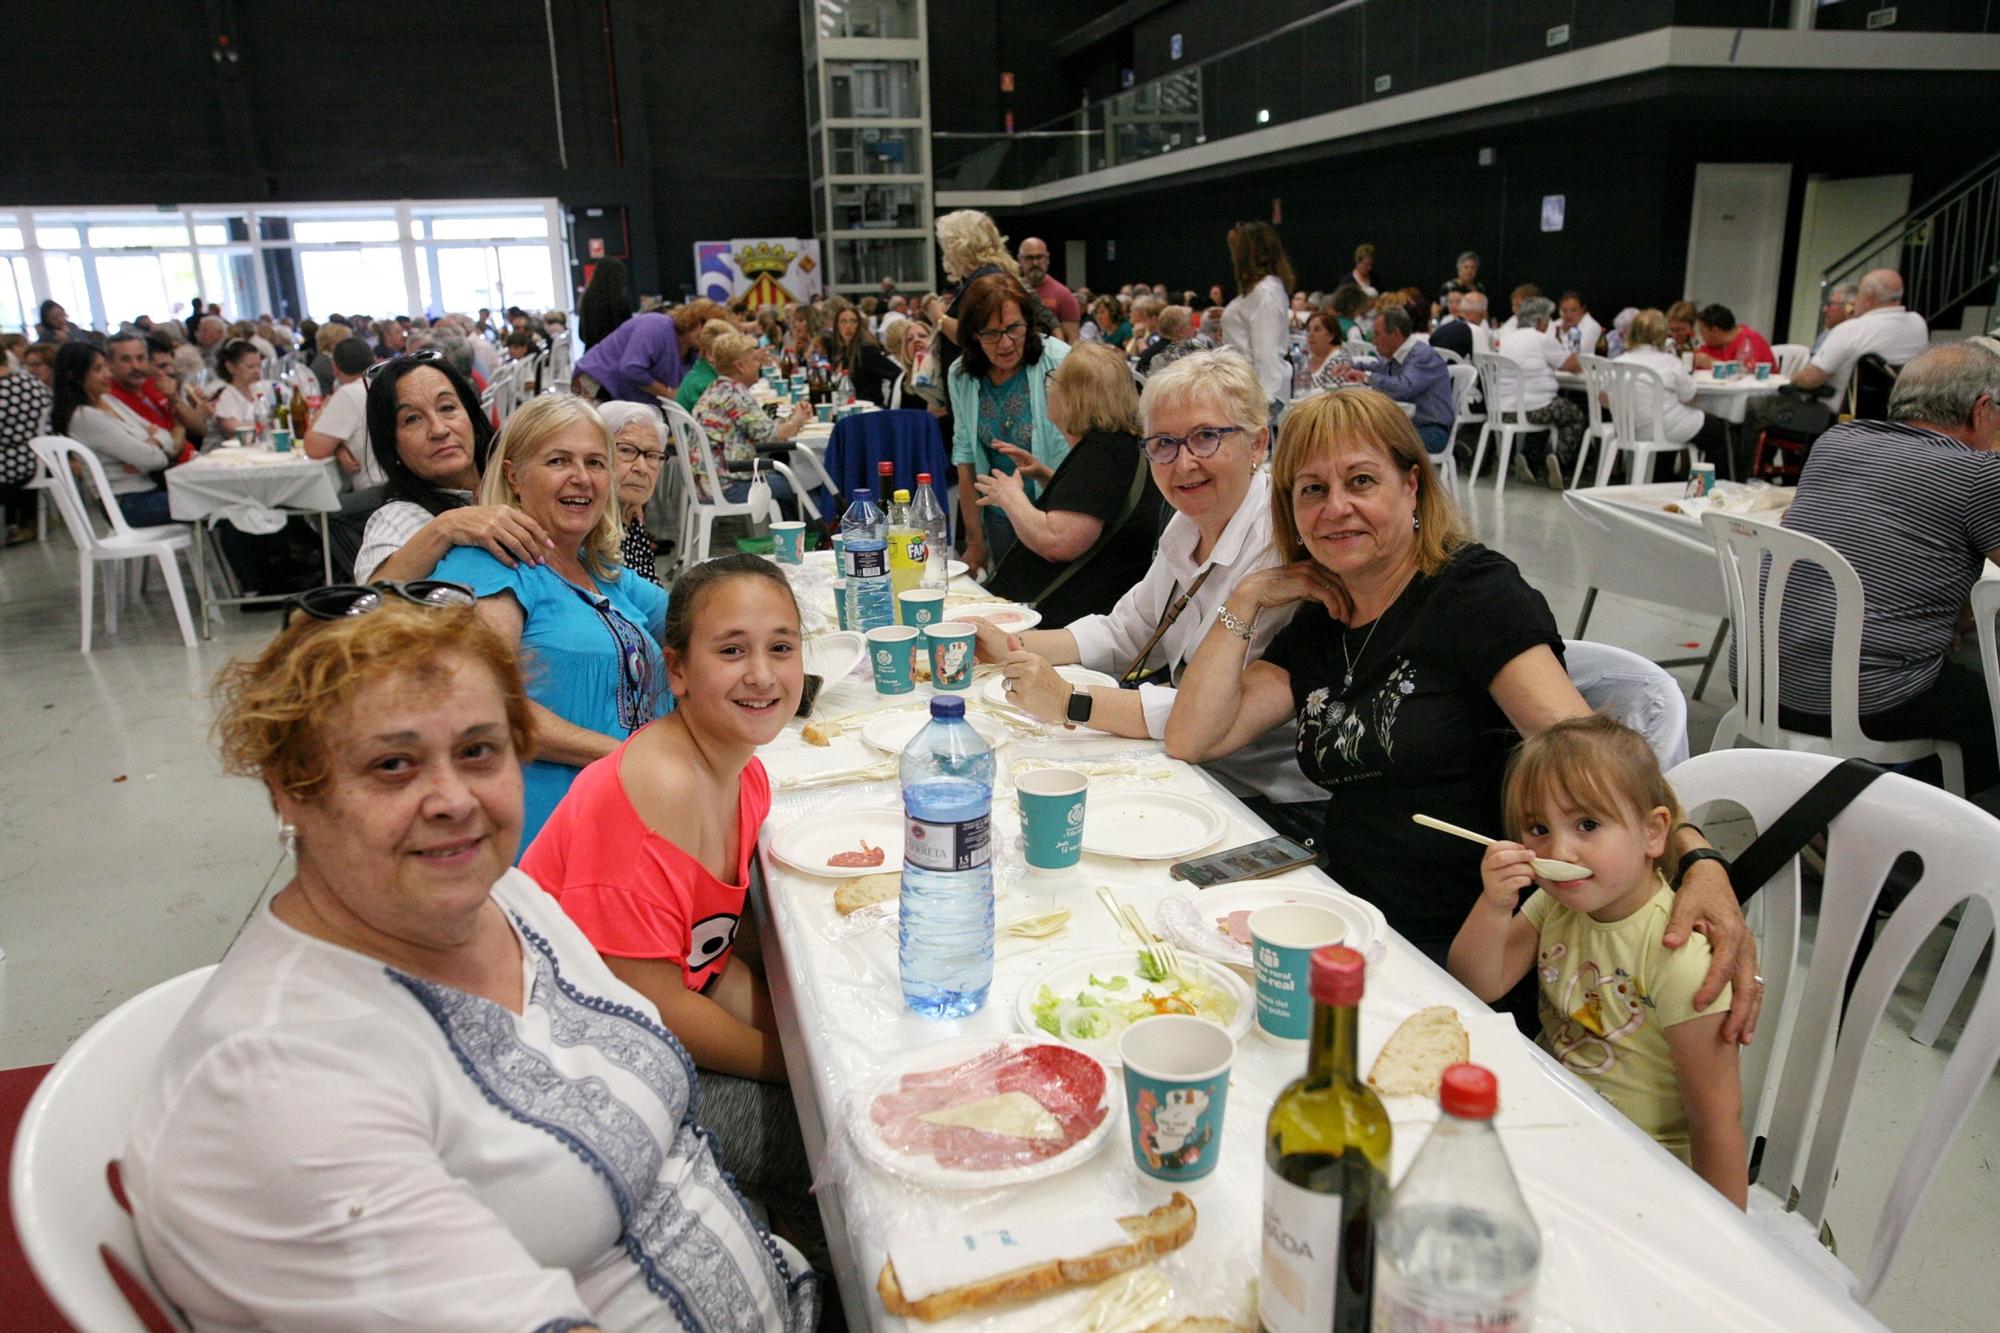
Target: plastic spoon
{"type": "Point", "coordinates": [1037, 927]}
{"type": "Point", "coordinates": [1547, 869]}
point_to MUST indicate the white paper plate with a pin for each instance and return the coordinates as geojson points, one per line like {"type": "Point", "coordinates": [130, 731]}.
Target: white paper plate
{"type": "Point", "coordinates": [804, 846]}
{"type": "Point", "coordinates": [1073, 976]}
{"type": "Point", "coordinates": [890, 732]}
{"type": "Point", "coordinates": [996, 687]}
{"type": "Point", "coordinates": [926, 1169]}
{"type": "Point", "coordinates": [1148, 825]}
{"type": "Point", "coordinates": [1011, 616]}
{"type": "Point", "coordinates": [1188, 919]}
{"type": "Point", "coordinates": [956, 569]}
{"type": "Point", "coordinates": [833, 657]}
{"type": "Point", "coordinates": [820, 560]}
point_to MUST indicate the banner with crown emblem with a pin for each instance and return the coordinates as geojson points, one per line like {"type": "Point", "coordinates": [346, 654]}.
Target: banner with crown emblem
{"type": "Point", "coordinates": [768, 271]}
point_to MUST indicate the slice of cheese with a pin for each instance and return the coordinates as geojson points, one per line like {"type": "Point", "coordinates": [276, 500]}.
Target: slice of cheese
{"type": "Point", "coordinates": [1014, 1114]}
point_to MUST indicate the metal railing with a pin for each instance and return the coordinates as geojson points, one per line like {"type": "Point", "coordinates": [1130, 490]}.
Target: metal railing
{"type": "Point", "coordinates": [1947, 249]}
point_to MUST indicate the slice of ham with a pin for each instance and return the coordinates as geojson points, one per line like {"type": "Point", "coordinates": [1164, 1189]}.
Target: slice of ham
{"type": "Point", "coordinates": [1236, 926]}
{"type": "Point", "coordinates": [867, 856]}
{"type": "Point", "coordinates": [1066, 1082]}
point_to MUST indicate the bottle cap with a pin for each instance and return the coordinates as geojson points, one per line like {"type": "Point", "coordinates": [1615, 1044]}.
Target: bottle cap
{"type": "Point", "coordinates": [947, 705]}
{"type": "Point", "coordinates": [863, 493]}
{"type": "Point", "coordinates": [1469, 1092]}
{"type": "Point", "coordinates": [902, 497]}
{"type": "Point", "coordinates": [923, 479]}
{"type": "Point", "coordinates": [1337, 974]}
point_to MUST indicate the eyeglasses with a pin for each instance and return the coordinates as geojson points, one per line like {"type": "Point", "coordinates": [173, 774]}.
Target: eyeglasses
{"type": "Point", "coordinates": [1201, 442]}
{"type": "Point", "coordinates": [353, 599]}
{"type": "Point", "coordinates": [632, 453]}
{"type": "Point", "coordinates": [402, 359]}
{"type": "Point", "coordinates": [994, 337]}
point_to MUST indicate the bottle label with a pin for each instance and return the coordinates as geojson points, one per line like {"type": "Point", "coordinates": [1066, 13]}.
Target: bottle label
{"type": "Point", "coordinates": [1301, 1257]}
{"type": "Point", "coordinates": [1403, 1306]}
{"type": "Point", "coordinates": [864, 564]}
{"type": "Point", "coordinates": [948, 847]}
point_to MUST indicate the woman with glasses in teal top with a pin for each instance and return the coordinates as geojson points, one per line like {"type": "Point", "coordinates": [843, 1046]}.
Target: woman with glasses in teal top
{"type": "Point", "coordinates": [589, 630]}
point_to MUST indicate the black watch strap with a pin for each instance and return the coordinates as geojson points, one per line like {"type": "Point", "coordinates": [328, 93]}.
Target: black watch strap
{"type": "Point", "coordinates": [1079, 708]}
{"type": "Point", "coordinates": [1690, 857]}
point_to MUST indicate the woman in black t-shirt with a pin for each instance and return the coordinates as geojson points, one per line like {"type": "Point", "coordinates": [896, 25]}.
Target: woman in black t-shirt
{"type": "Point", "coordinates": [1417, 660]}
{"type": "Point", "coordinates": [1103, 481]}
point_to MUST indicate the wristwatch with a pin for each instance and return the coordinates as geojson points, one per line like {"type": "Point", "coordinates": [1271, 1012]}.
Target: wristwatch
{"type": "Point", "coordinates": [1079, 707]}
{"type": "Point", "coordinates": [1693, 855]}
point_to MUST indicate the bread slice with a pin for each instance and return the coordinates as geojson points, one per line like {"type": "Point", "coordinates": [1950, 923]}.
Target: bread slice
{"type": "Point", "coordinates": [1153, 1234]}
{"type": "Point", "coordinates": [819, 733]}
{"type": "Point", "coordinates": [1197, 1324]}
{"type": "Point", "coordinates": [866, 891]}
{"type": "Point", "coordinates": [1413, 1060]}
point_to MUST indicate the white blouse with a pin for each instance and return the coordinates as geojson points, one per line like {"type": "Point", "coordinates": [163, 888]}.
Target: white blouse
{"type": "Point", "coordinates": [130, 446]}
{"type": "Point", "coordinates": [235, 405]}
{"type": "Point", "coordinates": [328, 1143]}
{"type": "Point", "coordinates": [1259, 325]}
{"type": "Point", "coordinates": [1680, 422]}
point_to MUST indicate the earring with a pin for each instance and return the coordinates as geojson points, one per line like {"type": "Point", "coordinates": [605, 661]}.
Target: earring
{"type": "Point", "coordinates": [1416, 523]}
{"type": "Point", "coordinates": [288, 838]}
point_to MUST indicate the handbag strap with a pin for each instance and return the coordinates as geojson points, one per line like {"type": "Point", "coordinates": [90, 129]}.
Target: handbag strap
{"type": "Point", "coordinates": [1140, 475]}
{"type": "Point", "coordinates": [1173, 613]}
{"type": "Point", "coordinates": [1808, 817]}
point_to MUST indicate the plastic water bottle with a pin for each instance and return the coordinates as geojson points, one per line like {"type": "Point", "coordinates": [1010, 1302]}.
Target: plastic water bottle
{"type": "Point", "coordinates": [1457, 1247]}
{"type": "Point", "coordinates": [945, 940]}
{"type": "Point", "coordinates": [926, 514]}
{"type": "Point", "coordinates": [864, 563]}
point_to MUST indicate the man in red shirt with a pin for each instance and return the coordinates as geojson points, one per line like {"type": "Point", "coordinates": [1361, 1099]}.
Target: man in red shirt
{"type": "Point", "coordinates": [1723, 339]}
{"type": "Point", "coordinates": [132, 384]}
{"type": "Point", "coordinates": [1057, 299]}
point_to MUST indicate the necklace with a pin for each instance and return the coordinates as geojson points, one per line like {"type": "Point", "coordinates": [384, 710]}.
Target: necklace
{"type": "Point", "coordinates": [1347, 681]}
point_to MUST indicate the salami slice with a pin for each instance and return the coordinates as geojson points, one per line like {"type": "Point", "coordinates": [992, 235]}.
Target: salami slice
{"type": "Point", "coordinates": [1067, 1084]}
{"type": "Point", "coordinates": [867, 856]}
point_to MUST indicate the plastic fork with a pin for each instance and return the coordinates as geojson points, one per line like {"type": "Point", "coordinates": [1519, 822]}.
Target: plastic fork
{"type": "Point", "coordinates": [1166, 958]}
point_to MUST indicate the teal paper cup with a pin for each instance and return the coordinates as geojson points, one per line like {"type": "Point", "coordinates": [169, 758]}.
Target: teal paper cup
{"type": "Point", "coordinates": [1282, 940]}
{"type": "Point", "coordinates": [889, 649]}
{"type": "Point", "coordinates": [1176, 1090]}
{"type": "Point", "coordinates": [788, 542]}
{"type": "Point", "coordinates": [951, 655]}
{"type": "Point", "coordinates": [245, 436]}
{"type": "Point", "coordinates": [824, 411]}
{"type": "Point", "coordinates": [1052, 818]}
{"type": "Point", "coordinates": [840, 601]}
{"type": "Point", "coordinates": [281, 441]}
{"type": "Point", "coordinates": [920, 607]}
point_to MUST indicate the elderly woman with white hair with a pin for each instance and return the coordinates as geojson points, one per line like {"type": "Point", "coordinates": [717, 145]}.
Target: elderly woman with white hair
{"type": "Point", "coordinates": [1539, 354]}
{"type": "Point", "coordinates": [638, 455]}
{"type": "Point", "coordinates": [1206, 426]}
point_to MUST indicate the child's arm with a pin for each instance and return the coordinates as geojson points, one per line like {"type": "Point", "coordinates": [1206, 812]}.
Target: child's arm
{"type": "Point", "coordinates": [1495, 947]}
{"type": "Point", "coordinates": [1712, 1093]}
{"type": "Point", "coordinates": [717, 1039]}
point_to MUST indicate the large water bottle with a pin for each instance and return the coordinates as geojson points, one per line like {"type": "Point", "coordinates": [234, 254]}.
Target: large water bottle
{"type": "Point", "coordinates": [1457, 1247]}
{"type": "Point", "coordinates": [864, 563]}
{"type": "Point", "coordinates": [945, 941]}
{"type": "Point", "coordinates": [925, 513]}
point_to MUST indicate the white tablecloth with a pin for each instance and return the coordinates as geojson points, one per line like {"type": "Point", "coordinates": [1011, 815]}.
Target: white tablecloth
{"type": "Point", "coordinates": [253, 488]}
{"type": "Point", "coordinates": [1727, 399]}
{"type": "Point", "coordinates": [1632, 1239]}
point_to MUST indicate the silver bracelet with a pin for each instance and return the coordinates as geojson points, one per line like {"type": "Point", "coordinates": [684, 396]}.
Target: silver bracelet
{"type": "Point", "coordinates": [1242, 629]}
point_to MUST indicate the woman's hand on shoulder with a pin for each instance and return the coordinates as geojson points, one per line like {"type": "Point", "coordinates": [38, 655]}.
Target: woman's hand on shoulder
{"type": "Point", "coordinates": [1285, 585]}
{"type": "Point", "coordinates": [1506, 870]}
{"type": "Point", "coordinates": [506, 533]}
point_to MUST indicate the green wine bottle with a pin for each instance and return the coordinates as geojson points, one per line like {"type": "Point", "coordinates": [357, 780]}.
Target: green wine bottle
{"type": "Point", "coordinates": [1326, 1169]}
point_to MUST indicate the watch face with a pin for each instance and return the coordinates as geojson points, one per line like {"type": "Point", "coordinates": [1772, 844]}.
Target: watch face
{"type": "Point", "coordinates": [1079, 706]}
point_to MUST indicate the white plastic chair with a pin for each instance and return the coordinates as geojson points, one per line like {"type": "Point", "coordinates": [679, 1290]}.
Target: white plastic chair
{"type": "Point", "coordinates": [1502, 382]}
{"type": "Point", "coordinates": [1451, 358]}
{"type": "Point", "coordinates": [112, 549]}
{"type": "Point", "coordinates": [698, 515]}
{"type": "Point", "coordinates": [1639, 398]}
{"type": "Point", "coordinates": [1637, 692]}
{"type": "Point", "coordinates": [1976, 927]}
{"type": "Point", "coordinates": [1463, 378]}
{"type": "Point", "coordinates": [1792, 358]}
{"type": "Point", "coordinates": [70, 1224]}
{"type": "Point", "coordinates": [1601, 431]}
{"type": "Point", "coordinates": [1744, 547]}
{"type": "Point", "coordinates": [1804, 1128]}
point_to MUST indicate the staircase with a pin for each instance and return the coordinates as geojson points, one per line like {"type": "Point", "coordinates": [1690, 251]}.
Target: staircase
{"type": "Point", "coordinates": [1948, 251]}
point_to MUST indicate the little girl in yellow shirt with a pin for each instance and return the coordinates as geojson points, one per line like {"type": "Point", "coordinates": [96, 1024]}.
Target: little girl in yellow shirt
{"type": "Point", "coordinates": [1616, 1005]}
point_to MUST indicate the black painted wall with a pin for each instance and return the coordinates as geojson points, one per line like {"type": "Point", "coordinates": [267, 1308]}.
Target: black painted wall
{"type": "Point", "coordinates": [121, 103]}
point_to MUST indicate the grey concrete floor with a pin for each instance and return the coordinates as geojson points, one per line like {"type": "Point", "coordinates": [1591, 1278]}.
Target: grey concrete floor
{"type": "Point", "coordinates": [128, 856]}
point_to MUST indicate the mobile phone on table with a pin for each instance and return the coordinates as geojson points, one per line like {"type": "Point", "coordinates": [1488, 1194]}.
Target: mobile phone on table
{"type": "Point", "coordinates": [1256, 860]}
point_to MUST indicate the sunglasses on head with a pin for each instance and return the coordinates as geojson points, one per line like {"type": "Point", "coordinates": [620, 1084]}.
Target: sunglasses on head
{"type": "Point", "coordinates": [402, 359]}
{"type": "Point", "coordinates": [355, 599]}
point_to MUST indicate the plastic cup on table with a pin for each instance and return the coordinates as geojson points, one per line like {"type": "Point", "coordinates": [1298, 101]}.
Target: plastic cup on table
{"type": "Point", "coordinates": [788, 540]}
{"type": "Point", "coordinates": [1176, 1090]}
{"type": "Point", "coordinates": [1763, 372]}
{"type": "Point", "coordinates": [281, 441]}
{"type": "Point", "coordinates": [1052, 804]}
{"type": "Point", "coordinates": [840, 601]}
{"type": "Point", "coordinates": [839, 549]}
{"type": "Point", "coordinates": [824, 411]}
{"type": "Point", "coordinates": [889, 649]}
{"type": "Point", "coordinates": [951, 645]}
{"type": "Point", "coordinates": [244, 435]}
{"type": "Point", "coordinates": [920, 607]}
{"type": "Point", "coordinates": [1282, 940]}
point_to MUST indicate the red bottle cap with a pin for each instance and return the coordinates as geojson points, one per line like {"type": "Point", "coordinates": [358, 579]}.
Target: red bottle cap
{"type": "Point", "coordinates": [886, 468]}
{"type": "Point", "coordinates": [923, 479]}
{"type": "Point", "coordinates": [1337, 974]}
{"type": "Point", "coordinates": [1469, 1092]}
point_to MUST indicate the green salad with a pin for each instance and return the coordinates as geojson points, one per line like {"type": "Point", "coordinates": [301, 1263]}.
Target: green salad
{"type": "Point", "coordinates": [1106, 1006]}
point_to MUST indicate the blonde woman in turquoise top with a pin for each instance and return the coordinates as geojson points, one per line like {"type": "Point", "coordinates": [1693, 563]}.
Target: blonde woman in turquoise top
{"type": "Point", "coordinates": [589, 632]}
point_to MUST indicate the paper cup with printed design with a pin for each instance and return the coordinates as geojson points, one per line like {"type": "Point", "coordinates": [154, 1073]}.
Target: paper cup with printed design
{"type": "Point", "coordinates": [920, 607]}
{"type": "Point", "coordinates": [1282, 940]}
{"type": "Point", "coordinates": [788, 542]}
{"type": "Point", "coordinates": [951, 646]}
{"type": "Point", "coordinates": [1176, 1090]}
{"type": "Point", "coordinates": [1052, 802]}
{"type": "Point", "coordinates": [281, 441]}
{"type": "Point", "coordinates": [839, 587]}
{"type": "Point", "coordinates": [889, 649]}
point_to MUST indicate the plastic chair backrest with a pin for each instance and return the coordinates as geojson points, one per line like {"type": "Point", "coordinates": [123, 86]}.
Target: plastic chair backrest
{"type": "Point", "coordinates": [1638, 403]}
{"type": "Point", "coordinates": [692, 447]}
{"type": "Point", "coordinates": [1595, 386]}
{"type": "Point", "coordinates": [1985, 612]}
{"type": "Point", "coordinates": [1791, 357]}
{"type": "Point", "coordinates": [1868, 392]}
{"type": "Point", "coordinates": [1958, 845]}
{"type": "Point", "coordinates": [1638, 692]}
{"type": "Point", "coordinates": [74, 1128]}
{"type": "Point", "coordinates": [1503, 384]}
{"type": "Point", "coordinates": [1463, 377]}
{"type": "Point", "coordinates": [61, 455]}
{"type": "Point", "coordinates": [1451, 358]}
{"type": "Point", "coordinates": [1757, 562]}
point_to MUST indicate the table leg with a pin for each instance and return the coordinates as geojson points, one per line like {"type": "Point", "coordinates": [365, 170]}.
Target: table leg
{"type": "Point", "coordinates": [1714, 651]}
{"type": "Point", "coordinates": [325, 553]}
{"type": "Point", "coordinates": [201, 578]}
{"type": "Point", "coordinates": [1589, 601]}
